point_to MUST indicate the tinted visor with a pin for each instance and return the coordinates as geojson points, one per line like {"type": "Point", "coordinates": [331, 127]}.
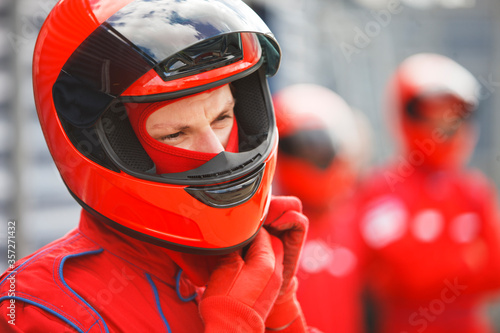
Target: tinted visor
{"type": "Point", "coordinates": [439, 109]}
{"type": "Point", "coordinates": [314, 146]}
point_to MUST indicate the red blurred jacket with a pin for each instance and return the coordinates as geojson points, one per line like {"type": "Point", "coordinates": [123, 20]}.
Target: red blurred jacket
{"type": "Point", "coordinates": [434, 248]}
{"type": "Point", "coordinates": [329, 272]}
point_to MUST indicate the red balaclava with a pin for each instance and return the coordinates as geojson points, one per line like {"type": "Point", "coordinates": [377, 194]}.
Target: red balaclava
{"type": "Point", "coordinates": [170, 159]}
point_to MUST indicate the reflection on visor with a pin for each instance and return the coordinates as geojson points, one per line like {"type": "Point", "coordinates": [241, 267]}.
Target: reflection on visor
{"type": "Point", "coordinates": [230, 194]}
{"type": "Point", "coordinates": [161, 28]}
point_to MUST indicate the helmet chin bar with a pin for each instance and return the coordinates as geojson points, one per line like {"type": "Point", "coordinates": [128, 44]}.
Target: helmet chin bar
{"type": "Point", "coordinates": [157, 241]}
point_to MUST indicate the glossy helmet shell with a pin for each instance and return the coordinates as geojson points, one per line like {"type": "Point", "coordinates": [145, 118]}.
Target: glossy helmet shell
{"type": "Point", "coordinates": [93, 55]}
{"type": "Point", "coordinates": [322, 144]}
{"type": "Point", "coordinates": [428, 75]}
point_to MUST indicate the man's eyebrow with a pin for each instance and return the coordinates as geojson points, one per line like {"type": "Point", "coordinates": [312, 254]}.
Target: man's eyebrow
{"type": "Point", "coordinates": [175, 127]}
{"type": "Point", "coordinates": [226, 108]}
{"type": "Point", "coordinates": [181, 127]}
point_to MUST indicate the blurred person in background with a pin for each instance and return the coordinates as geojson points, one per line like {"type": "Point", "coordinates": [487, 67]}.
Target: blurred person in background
{"type": "Point", "coordinates": [430, 224]}
{"type": "Point", "coordinates": [322, 150]}
{"type": "Point", "coordinates": [160, 121]}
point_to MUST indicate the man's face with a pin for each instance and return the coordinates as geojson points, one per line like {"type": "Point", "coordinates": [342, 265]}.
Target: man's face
{"type": "Point", "coordinates": [201, 123]}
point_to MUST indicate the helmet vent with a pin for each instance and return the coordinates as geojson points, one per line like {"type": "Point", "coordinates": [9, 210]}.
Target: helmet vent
{"type": "Point", "coordinates": [210, 54]}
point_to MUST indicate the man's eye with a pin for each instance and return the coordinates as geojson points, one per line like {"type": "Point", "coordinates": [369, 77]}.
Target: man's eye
{"type": "Point", "coordinates": [223, 117]}
{"type": "Point", "coordinates": [170, 136]}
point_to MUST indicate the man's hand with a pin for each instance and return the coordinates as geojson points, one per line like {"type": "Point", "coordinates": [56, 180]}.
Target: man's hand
{"type": "Point", "coordinates": [286, 221]}
{"type": "Point", "coordinates": [240, 284]}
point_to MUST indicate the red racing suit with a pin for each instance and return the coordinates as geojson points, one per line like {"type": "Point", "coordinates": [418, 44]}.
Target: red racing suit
{"type": "Point", "coordinates": [434, 248]}
{"type": "Point", "coordinates": [329, 272]}
{"type": "Point", "coordinates": [96, 279]}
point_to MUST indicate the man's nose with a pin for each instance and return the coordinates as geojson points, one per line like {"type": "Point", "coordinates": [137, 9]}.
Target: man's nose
{"type": "Point", "coordinates": [209, 142]}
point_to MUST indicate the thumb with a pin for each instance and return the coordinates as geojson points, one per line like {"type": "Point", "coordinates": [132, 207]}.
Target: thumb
{"type": "Point", "coordinates": [279, 205]}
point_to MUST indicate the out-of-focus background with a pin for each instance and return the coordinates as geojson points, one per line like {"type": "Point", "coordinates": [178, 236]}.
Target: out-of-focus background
{"type": "Point", "coordinates": [350, 46]}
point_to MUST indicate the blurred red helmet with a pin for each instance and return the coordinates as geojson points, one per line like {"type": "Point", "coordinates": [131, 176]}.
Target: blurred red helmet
{"type": "Point", "coordinates": [93, 56]}
{"type": "Point", "coordinates": [431, 99]}
{"type": "Point", "coordinates": [322, 144]}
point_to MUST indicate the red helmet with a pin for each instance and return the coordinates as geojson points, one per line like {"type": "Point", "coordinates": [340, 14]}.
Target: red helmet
{"type": "Point", "coordinates": [322, 143]}
{"type": "Point", "coordinates": [93, 56]}
{"type": "Point", "coordinates": [430, 98]}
